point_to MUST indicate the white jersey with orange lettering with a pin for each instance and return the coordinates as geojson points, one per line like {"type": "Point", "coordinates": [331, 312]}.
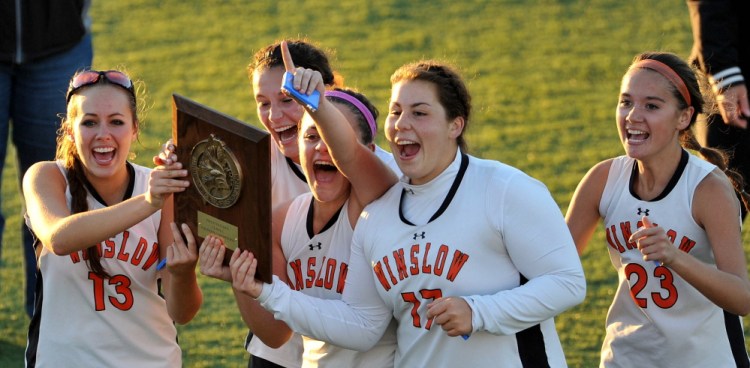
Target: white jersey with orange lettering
{"type": "Point", "coordinates": [481, 230]}
{"type": "Point", "coordinates": [86, 320]}
{"type": "Point", "coordinates": [287, 182]}
{"type": "Point", "coordinates": [317, 265]}
{"type": "Point", "coordinates": [656, 318]}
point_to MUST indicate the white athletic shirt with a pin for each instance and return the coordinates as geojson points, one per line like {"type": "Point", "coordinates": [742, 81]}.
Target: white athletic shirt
{"type": "Point", "coordinates": [667, 323]}
{"type": "Point", "coordinates": [287, 182]}
{"type": "Point", "coordinates": [87, 321]}
{"type": "Point", "coordinates": [317, 265]}
{"type": "Point", "coordinates": [497, 239]}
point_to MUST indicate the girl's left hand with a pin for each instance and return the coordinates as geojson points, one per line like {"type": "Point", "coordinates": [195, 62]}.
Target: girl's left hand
{"type": "Point", "coordinates": [243, 265]}
{"type": "Point", "coordinates": [452, 314]}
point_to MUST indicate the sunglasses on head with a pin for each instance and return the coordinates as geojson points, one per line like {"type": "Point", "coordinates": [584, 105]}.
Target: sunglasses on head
{"type": "Point", "coordinates": [90, 77]}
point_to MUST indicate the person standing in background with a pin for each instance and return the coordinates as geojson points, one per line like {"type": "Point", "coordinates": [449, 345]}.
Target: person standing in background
{"type": "Point", "coordinates": [42, 43]}
{"type": "Point", "coordinates": [721, 49]}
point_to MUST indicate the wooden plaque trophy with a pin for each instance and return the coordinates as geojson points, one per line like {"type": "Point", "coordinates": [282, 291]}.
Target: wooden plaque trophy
{"type": "Point", "coordinates": [229, 169]}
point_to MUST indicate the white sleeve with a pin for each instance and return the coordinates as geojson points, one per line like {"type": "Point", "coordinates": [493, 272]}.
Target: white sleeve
{"type": "Point", "coordinates": [542, 249]}
{"type": "Point", "coordinates": [355, 322]}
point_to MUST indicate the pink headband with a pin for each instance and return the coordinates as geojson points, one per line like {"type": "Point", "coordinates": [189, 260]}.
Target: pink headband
{"type": "Point", "coordinates": [359, 105]}
{"type": "Point", "coordinates": [667, 72]}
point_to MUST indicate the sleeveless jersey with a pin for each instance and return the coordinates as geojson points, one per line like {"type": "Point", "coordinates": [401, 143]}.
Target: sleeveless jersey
{"type": "Point", "coordinates": [496, 238]}
{"type": "Point", "coordinates": [118, 322]}
{"type": "Point", "coordinates": [656, 318]}
{"type": "Point", "coordinates": [317, 265]}
{"type": "Point", "coordinates": [287, 182]}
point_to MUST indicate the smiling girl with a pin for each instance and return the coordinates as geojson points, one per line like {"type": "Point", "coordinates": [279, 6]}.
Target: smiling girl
{"type": "Point", "coordinates": [312, 233]}
{"type": "Point", "coordinates": [459, 247]}
{"type": "Point", "coordinates": [102, 225]}
{"type": "Point", "coordinates": [673, 229]}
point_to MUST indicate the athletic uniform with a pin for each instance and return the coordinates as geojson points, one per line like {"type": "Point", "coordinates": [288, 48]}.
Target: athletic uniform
{"type": "Point", "coordinates": [657, 319]}
{"type": "Point", "coordinates": [317, 265]}
{"type": "Point", "coordinates": [82, 320]}
{"type": "Point", "coordinates": [484, 231]}
{"type": "Point", "coordinates": [287, 182]}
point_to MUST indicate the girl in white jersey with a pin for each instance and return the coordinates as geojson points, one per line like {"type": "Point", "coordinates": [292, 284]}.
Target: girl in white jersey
{"type": "Point", "coordinates": [459, 247]}
{"type": "Point", "coordinates": [280, 115]}
{"type": "Point", "coordinates": [673, 229]}
{"type": "Point", "coordinates": [312, 234]}
{"type": "Point", "coordinates": [103, 225]}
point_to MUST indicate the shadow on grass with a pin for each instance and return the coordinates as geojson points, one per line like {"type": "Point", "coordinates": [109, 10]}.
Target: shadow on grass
{"type": "Point", "coordinates": [11, 354]}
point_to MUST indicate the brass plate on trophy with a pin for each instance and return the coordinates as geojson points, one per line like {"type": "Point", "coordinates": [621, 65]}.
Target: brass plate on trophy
{"type": "Point", "coordinates": [208, 224]}
{"type": "Point", "coordinates": [216, 172]}
{"type": "Point", "coordinates": [229, 168]}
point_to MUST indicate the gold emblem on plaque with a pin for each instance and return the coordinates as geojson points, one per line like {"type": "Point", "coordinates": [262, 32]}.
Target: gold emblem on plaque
{"type": "Point", "coordinates": [216, 173]}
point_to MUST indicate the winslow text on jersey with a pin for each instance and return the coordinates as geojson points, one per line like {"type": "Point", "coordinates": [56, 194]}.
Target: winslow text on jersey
{"type": "Point", "coordinates": [421, 259]}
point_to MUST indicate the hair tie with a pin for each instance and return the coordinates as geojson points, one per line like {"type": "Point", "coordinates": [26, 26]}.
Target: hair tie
{"type": "Point", "coordinates": [359, 105]}
{"type": "Point", "coordinates": [667, 72]}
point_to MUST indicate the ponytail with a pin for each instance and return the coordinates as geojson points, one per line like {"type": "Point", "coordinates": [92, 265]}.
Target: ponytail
{"type": "Point", "coordinates": [720, 159]}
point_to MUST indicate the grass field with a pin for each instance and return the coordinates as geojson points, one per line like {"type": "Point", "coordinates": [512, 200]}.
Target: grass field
{"type": "Point", "coordinates": [544, 75]}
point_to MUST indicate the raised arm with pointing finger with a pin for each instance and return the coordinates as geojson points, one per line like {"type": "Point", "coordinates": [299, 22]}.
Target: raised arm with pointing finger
{"type": "Point", "coordinates": [459, 246]}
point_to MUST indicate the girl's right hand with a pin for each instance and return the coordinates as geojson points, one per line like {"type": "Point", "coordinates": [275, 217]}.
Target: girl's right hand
{"type": "Point", "coordinates": [165, 180]}
{"type": "Point", "coordinates": [212, 259]}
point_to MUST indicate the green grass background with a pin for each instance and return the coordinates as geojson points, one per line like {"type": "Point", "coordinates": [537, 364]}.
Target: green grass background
{"type": "Point", "coordinates": [544, 75]}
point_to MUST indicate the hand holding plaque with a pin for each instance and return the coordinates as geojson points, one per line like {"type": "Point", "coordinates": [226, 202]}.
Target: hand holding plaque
{"type": "Point", "coordinates": [229, 169]}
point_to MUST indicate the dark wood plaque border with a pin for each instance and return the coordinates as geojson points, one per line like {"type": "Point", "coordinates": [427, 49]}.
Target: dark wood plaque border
{"type": "Point", "coordinates": [251, 214]}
